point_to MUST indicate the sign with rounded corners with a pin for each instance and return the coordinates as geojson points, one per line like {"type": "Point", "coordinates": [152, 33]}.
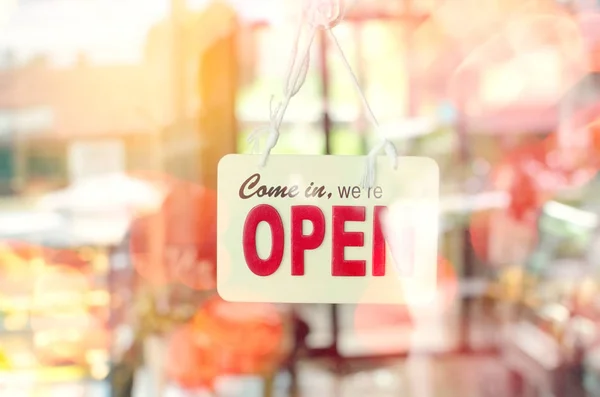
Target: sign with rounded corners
{"type": "Point", "coordinates": [303, 230]}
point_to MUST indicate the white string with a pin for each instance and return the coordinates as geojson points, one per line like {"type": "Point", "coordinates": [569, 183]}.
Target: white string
{"type": "Point", "coordinates": [390, 149]}
{"type": "Point", "coordinates": [321, 14]}
{"type": "Point", "coordinates": [294, 80]}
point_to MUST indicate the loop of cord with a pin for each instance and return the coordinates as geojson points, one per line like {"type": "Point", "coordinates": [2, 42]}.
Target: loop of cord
{"type": "Point", "coordinates": [324, 14]}
{"type": "Point", "coordinates": [294, 80]}
{"type": "Point", "coordinates": [368, 179]}
{"type": "Point", "coordinates": [319, 14]}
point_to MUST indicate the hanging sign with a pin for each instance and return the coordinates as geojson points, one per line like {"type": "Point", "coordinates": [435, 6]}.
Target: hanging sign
{"type": "Point", "coordinates": [300, 230]}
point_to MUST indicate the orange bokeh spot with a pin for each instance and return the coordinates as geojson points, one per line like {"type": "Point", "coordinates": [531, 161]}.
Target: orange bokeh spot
{"type": "Point", "coordinates": [226, 338]}
{"type": "Point", "coordinates": [190, 360]}
{"type": "Point", "coordinates": [248, 337]}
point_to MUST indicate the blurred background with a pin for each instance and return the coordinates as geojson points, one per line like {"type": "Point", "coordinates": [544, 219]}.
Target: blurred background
{"type": "Point", "coordinates": [115, 113]}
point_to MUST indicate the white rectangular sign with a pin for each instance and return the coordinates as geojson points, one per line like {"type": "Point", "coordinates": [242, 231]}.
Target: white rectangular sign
{"type": "Point", "coordinates": [302, 230]}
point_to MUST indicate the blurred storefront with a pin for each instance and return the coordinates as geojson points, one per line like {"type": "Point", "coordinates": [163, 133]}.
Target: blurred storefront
{"type": "Point", "coordinates": [138, 295]}
{"type": "Point", "coordinates": [62, 124]}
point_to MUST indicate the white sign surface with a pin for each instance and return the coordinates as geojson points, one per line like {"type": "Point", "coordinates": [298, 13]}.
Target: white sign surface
{"type": "Point", "coordinates": [302, 230]}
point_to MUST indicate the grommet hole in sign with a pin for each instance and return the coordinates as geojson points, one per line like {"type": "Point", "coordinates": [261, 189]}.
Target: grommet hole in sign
{"type": "Point", "coordinates": [310, 229]}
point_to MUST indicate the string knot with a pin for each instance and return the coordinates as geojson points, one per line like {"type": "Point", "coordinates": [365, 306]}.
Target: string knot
{"type": "Point", "coordinates": [272, 130]}
{"type": "Point", "coordinates": [323, 13]}
{"type": "Point", "coordinates": [368, 179]}
{"type": "Point", "coordinates": [319, 14]}
{"type": "Point", "coordinates": [295, 77]}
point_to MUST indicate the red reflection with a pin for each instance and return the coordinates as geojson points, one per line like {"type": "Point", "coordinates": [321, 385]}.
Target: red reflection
{"type": "Point", "coordinates": [535, 173]}
{"type": "Point", "coordinates": [146, 249]}
{"type": "Point", "coordinates": [538, 172]}
{"type": "Point", "coordinates": [178, 243]}
{"type": "Point", "coordinates": [524, 188]}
